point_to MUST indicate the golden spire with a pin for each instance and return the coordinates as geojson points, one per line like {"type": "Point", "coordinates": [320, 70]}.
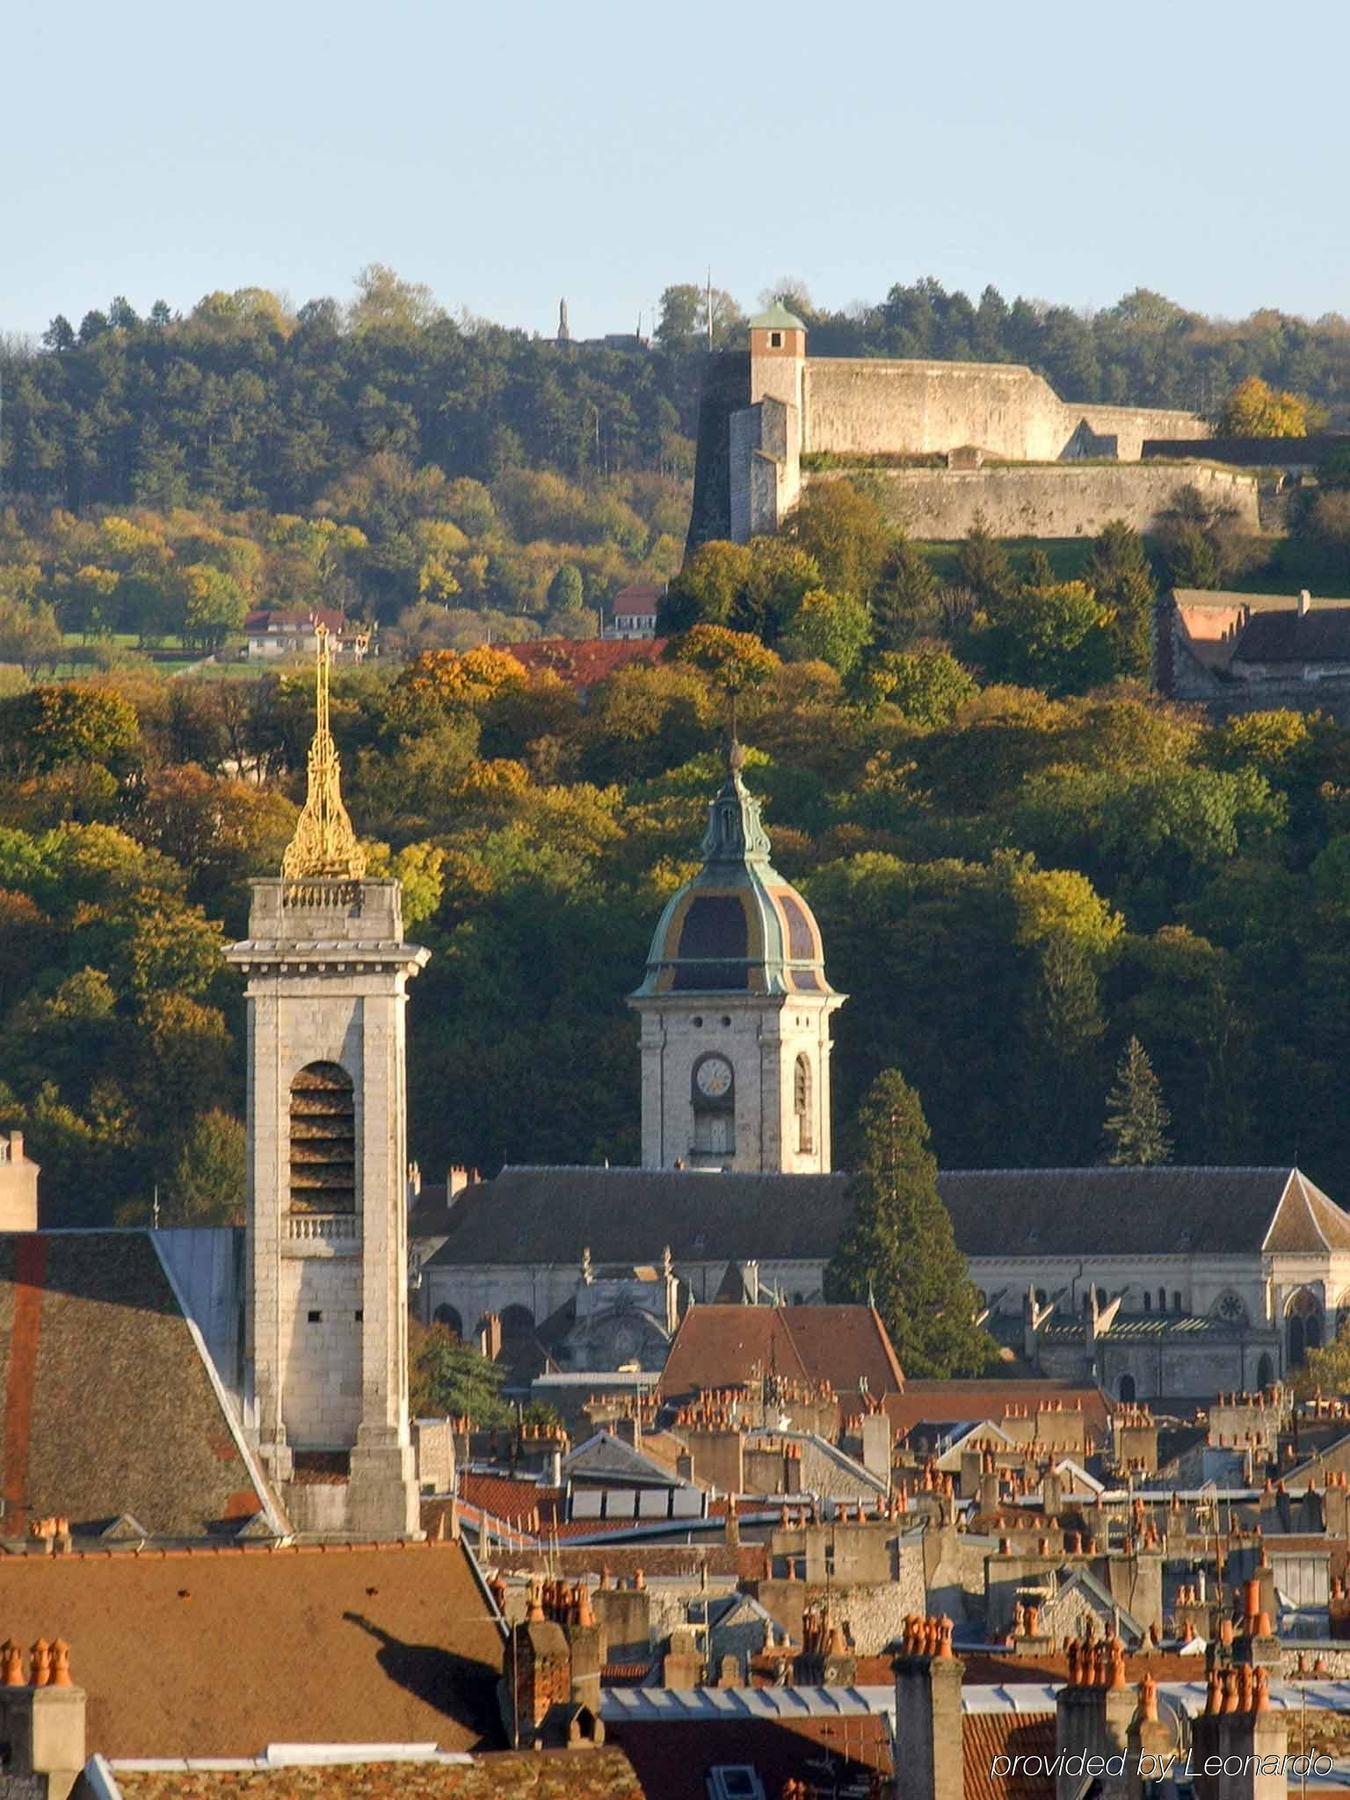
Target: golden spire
{"type": "Point", "coordinates": [324, 847]}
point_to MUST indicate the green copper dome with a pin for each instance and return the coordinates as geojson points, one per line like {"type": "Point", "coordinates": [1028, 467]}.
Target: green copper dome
{"type": "Point", "coordinates": [777, 318]}
{"type": "Point", "coordinates": [737, 927]}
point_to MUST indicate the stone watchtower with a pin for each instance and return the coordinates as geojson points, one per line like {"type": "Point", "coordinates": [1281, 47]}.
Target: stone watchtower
{"type": "Point", "coordinates": [736, 1011]}
{"type": "Point", "coordinates": [766, 437]}
{"type": "Point", "coordinates": [326, 1319]}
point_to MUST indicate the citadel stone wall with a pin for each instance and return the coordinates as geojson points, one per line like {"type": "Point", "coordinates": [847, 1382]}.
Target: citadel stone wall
{"type": "Point", "coordinates": [868, 407]}
{"type": "Point", "coordinates": [1063, 501]}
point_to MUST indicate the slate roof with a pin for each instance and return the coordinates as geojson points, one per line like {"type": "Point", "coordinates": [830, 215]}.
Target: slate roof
{"type": "Point", "coordinates": [604, 1774]}
{"type": "Point", "coordinates": [1307, 1220]}
{"type": "Point", "coordinates": [550, 1215]}
{"type": "Point", "coordinates": [728, 1346]}
{"type": "Point", "coordinates": [222, 1651]}
{"type": "Point", "coordinates": [1321, 636]}
{"type": "Point", "coordinates": [109, 1406]}
{"type": "Point", "coordinates": [1115, 1212]}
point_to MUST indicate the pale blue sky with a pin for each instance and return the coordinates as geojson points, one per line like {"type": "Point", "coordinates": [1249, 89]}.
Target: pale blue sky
{"type": "Point", "coordinates": [509, 153]}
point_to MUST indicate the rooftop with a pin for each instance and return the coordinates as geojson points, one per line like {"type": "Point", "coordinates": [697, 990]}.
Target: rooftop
{"type": "Point", "coordinates": [727, 1346]}
{"type": "Point", "coordinates": [222, 1651]}
{"type": "Point", "coordinates": [110, 1406]}
{"type": "Point", "coordinates": [406, 1771]}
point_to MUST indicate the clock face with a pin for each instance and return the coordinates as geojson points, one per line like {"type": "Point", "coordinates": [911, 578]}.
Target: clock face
{"type": "Point", "coordinates": [714, 1077]}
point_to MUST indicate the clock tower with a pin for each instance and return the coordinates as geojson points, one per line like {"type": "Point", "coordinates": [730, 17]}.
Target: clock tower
{"type": "Point", "coordinates": [735, 1011]}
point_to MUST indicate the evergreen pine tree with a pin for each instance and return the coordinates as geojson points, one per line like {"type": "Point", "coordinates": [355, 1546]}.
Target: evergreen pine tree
{"type": "Point", "coordinates": [1118, 573]}
{"type": "Point", "coordinates": [1136, 1118]}
{"type": "Point", "coordinates": [899, 1246]}
{"type": "Point", "coordinates": [1040, 571]}
{"type": "Point", "coordinates": [982, 565]}
{"type": "Point", "coordinates": [905, 603]}
{"type": "Point", "coordinates": [1063, 1066]}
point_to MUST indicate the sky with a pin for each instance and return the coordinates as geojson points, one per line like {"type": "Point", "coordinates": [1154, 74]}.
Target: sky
{"type": "Point", "coordinates": [511, 153]}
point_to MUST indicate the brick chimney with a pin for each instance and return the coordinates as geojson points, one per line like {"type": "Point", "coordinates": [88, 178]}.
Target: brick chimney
{"type": "Point", "coordinates": [928, 1713]}
{"type": "Point", "coordinates": [490, 1337]}
{"type": "Point", "coordinates": [538, 1672]}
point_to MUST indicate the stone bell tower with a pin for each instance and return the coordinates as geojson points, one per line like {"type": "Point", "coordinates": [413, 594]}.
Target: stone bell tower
{"type": "Point", "coordinates": [736, 1011]}
{"type": "Point", "coordinates": [326, 1314]}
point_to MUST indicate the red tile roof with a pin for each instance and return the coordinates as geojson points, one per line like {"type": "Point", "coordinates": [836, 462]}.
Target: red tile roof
{"type": "Point", "coordinates": [513, 1501]}
{"type": "Point", "coordinates": [728, 1346]}
{"type": "Point", "coordinates": [582, 662]}
{"type": "Point", "coordinates": [220, 1652]}
{"type": "Point", "coordinates": [986, 1736]}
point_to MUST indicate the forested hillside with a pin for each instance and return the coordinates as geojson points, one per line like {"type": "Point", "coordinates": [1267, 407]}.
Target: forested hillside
{"type": "Point", "coordinates": [1019, 858]}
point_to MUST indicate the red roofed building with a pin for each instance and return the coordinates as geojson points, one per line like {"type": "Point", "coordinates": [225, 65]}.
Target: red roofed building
{"type": "Point", "coordinates": [846, 1347]}
{"type": "Point", "coordinates": [633, 610]}
{"type": "Point", "coordinates": [272, 635]}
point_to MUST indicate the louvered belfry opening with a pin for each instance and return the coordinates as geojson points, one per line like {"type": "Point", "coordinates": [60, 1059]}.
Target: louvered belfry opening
{"type": "Point", "coordinates": [323, 1140]}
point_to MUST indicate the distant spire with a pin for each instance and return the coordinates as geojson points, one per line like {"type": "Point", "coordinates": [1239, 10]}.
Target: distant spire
{"type": "Point", "coordinates": [564, 333]}
{"type": "Point", "coordinates": [324, 847]}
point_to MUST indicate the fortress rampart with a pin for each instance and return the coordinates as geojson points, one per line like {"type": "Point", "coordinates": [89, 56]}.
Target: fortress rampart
{"type": "Point", "coordinates": [865, 407]}
{"type": "Point", "coordinates": [1049, 501]}
{"type": "Point", "coordinates": [764, 412]}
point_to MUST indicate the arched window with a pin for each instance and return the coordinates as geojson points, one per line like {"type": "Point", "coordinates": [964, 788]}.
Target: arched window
{"type": "Point", "coordinates": [1162, 1299]}
{"type": "Point", "coordinates": [1126, 1388]}
{"type": "Point", "coordinates": [1148, 1301]}
{"type": "Point", "coordinates": [1303, 1326]}
{"type": "Point", "coordinates": [1176, 1299]}
{"type": "Point", "coordinates": [517, 1323]}
{"type": "Point", "coordinates": [802, 1105]}
{"type": "Point", "coordinates": [323, 1140]}
{"type": "Point", "coordinates": [447, 1316]}
{"type": "Point", "coordinates": [1265, 1372]}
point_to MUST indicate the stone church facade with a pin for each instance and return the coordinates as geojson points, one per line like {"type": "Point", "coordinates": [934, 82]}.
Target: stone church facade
{"type": "Point", "coordinates": [1155, 1282]}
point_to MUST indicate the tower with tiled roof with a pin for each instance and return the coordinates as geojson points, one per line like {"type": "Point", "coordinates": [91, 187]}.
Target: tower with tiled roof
{"type": "Point", "coordinates": [326, 1311]}
{"type": "Point", "coordinates": [735, 1010]}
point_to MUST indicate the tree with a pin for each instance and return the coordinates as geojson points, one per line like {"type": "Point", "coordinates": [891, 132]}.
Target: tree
{"type": "Point", "coordinates": [385, 302]}
{"type": "Point", "coordinates": [1136, 1118]}
{"type": "Point", "coordinates": [842, 528]}
{"type": "Point", "coordinates": [708, 588]}
{"type": "Point", "coordinates": [1256, 409]}
{"type": "Point", "coordinates": [905, 602]}
{"type": "Point", "coordinates": [682, 324]}
{"type": "Point", "coordinates": [1055, 638]}
{"type": "Point", "coordinates": [733, 660]}
{"type": "Point", "coordinates": [450, 1378]}
{"type": "Point", "coordinates": [830, 628]}
{"type": "Point", "coordinates": [208, 1182]}
{"type": "Point", "coordinates": [898, 1246]}
{"type": "Point", "coordinates": [1118, 573]}
{"type": "Point", "coordinates": [1326, 1370]}
{"type": "Point", "coordinates": [213, 605]}
{"type": "Point", "coordinates": [65, 723]}
{"type": "Point", "coordinates": [928, 685]}
{"type": "Point", "coordinates": [567, 591]}
{"type": "Point", "coordinates": [983, 567]}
